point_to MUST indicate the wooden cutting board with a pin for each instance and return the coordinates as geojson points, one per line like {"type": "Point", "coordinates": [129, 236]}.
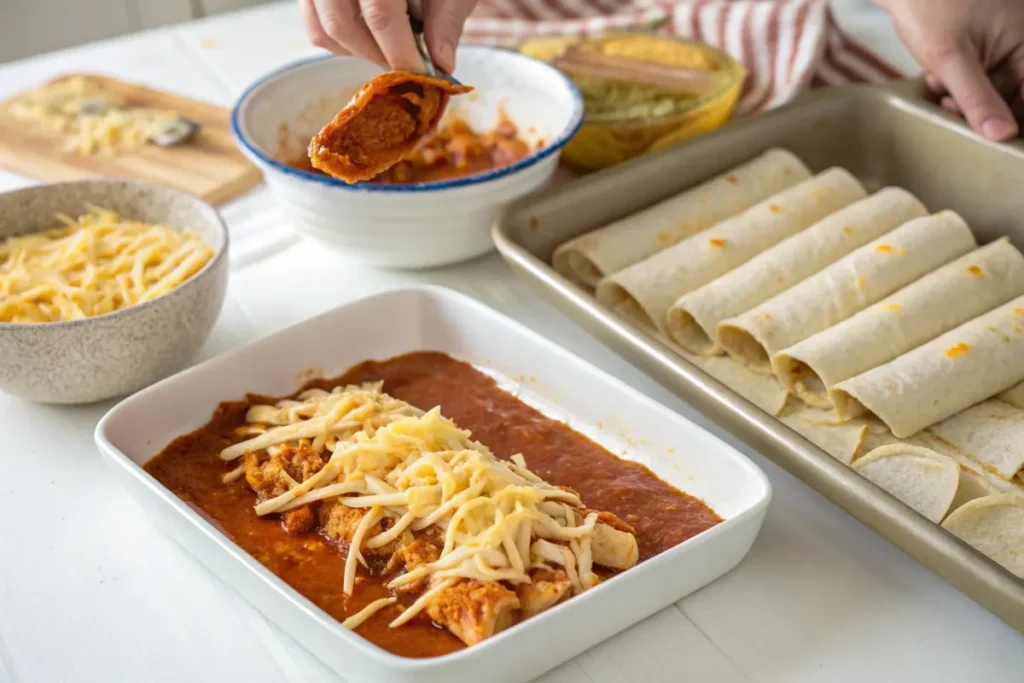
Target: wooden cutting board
{"type": "Point", "coordinates": [209, 165]}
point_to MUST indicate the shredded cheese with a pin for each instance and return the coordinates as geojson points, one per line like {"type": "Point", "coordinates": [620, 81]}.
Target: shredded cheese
{"type": "Point", "coordinates": [95, 264]}
{"type": "Point", "coordinates": [64, 107]}
{"type": "Point", "coordinates": [357, 619]}
{"type": "Point", "coordinates": [498, 520]}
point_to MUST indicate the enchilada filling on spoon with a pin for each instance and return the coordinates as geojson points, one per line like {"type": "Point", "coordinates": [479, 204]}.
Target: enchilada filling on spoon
{"type": "Point", "coordinates": [382, 125]}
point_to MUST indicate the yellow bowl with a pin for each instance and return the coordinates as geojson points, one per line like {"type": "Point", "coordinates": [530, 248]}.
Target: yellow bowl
{"type": "Point", "coordinates": [610, 139]}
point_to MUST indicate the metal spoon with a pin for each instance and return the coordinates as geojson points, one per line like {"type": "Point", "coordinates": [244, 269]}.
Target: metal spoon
{"type": "Point", "coordinates": [416, 22]}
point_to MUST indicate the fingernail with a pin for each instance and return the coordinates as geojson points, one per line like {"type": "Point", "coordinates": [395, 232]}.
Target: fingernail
{"type": "Point", "coordinates": [447, 56]}
{"type": "Point", "coordinates": [997, 129]}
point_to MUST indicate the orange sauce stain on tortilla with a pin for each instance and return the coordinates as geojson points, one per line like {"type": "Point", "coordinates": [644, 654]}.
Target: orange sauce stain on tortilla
{"type": "Point", "coordinates": [892, 307]}
{"type": "Point", "coordinates": [860, 282]}
{"type": "Point", "coordinates": [775, 208]}
{"type": "Point", "coordinates": [975, 271]}
{"type": "Point", "coordinates": [732, 179]}
{"type": "Point", "coordinates": [717, 242]}
{"type": "Point", "coordinates": [884, 248]}
{"type": "Point", "coordinates": [664, 237]}
{"type": "Point", "coordinates": [958, 350]}
{"type": "Point", "coordinates": [534, 223]}
{"type": "Point", "coordinates": [848, 229]}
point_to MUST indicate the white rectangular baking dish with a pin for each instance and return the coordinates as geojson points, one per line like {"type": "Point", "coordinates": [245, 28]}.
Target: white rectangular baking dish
{"type": "Point", "coordinates": [542, 374]}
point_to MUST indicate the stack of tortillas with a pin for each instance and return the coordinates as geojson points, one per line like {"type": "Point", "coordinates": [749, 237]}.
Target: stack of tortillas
{"type": "Point", "coordinates": [882, 333]}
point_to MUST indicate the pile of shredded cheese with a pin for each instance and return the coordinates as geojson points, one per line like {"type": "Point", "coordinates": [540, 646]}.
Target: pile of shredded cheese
{"type": "Point", "coordinates": [61, 107]}
{"type": "Point", "coordinates": [95, 264]}
{"type": "Point", "coordinates": [498, 519]}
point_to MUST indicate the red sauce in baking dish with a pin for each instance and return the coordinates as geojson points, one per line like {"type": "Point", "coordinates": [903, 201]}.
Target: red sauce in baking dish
{"type": "Point", "coordinates": [191, 467]}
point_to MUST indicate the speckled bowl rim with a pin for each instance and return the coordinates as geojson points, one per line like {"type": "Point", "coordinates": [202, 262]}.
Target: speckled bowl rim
{"type": "Point", "coordinates": [220, 252]}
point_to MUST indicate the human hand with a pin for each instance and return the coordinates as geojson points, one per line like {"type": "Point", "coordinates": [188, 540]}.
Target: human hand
{"type": "Point", "coordinates": [973, 55]}
{"type": "Point", "coordinates": [379, 30]}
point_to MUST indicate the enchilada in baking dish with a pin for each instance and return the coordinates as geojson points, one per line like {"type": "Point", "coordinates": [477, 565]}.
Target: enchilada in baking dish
{"type": "Point", "coordinates": [368, 495]}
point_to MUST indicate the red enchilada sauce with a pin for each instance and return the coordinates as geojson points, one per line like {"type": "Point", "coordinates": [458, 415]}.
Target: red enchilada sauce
{"type": "Point", "coordinates": [453, 151]}
{"type": "Point", "coordinates": [191, 467]}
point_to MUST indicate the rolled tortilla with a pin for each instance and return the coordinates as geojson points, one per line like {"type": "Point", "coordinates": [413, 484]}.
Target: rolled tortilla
{"type": "Point", "coordinates": [938, 379]}
{"type": "Point", "coordinates": [849, 285]}
{"type": "Point", "coordinates": [646, 290]}
{"type": "Point", "coordinates": [588, 258]}
{"type": "Point", "coordinates": [923, 479]}
{"type": "Point", "coordinates": [1014, 396]}
{"type": "Point", "coordinates": [995, 526]}
{"type": "Point", "coordinates": [955, 293]}
{"type": "Point", "coordinates": [764, 392]}
{"type": "Point", "coordinates": [613, 548]}
{"type": "Point", "coordinates": [693, 319]}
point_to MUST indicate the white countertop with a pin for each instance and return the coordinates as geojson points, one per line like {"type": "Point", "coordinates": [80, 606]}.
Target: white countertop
{"type": "Point", "coordinates": [89, 593]}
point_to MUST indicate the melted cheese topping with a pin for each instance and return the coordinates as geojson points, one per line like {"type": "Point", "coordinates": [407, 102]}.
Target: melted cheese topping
{"type": "Point", "coordinates": [499, 520]}
{"type": "Point", "coordinates": [93, 265]}
{"type": "Point", "coordinates": [63, 107]}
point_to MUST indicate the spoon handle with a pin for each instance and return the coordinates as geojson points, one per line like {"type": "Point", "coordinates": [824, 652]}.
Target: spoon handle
{"type": "Point", "coordinates": [416, 22]}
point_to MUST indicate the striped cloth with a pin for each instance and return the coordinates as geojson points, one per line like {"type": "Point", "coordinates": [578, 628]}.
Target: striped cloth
{"type": "Point", "coordinates": [786, 45]}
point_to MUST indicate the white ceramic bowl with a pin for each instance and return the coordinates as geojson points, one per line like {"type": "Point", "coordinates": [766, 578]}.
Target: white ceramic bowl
{"type": "Point", "coordinates": [405, 226]}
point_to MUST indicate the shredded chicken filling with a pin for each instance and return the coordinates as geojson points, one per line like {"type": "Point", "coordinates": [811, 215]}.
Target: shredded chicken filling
{"type": "Point", "coordinates": [485, 539]}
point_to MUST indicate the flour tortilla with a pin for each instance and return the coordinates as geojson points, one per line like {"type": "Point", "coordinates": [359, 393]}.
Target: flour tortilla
{"type": "Point", "coordinates": [1014, 396]}
{"type": "Point", "coordinates": [849, 285]}
{"type": "Point", "coordinates": [923, 479]}
{"type": "Point", "coordinates": [693, 319]}
{"type": "Point", "coordinates": [842, 441]}
{"type": "Point", "coordinates": [991, 433]}
{"type": "Point", "coordinates": [647, 289]}
{"type": "Point", "coordinates": [938, 379]}
{"type": "Point", "coordinates": [995, 526]}
{"type": "Point", "coordinates": [950, 296]}
{"type": "Point", "coordinates": [588, 258]}
{"type": "Point", "coordinates": [764, 392]}
{"type": "Point", "coordinates": [975, 480]}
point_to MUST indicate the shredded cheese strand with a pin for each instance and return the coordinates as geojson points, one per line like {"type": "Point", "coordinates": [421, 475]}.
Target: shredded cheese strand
{"type": "Point", "coordinates": [357, 619]}
{"type": "Point", "coordinates": [355, 555]}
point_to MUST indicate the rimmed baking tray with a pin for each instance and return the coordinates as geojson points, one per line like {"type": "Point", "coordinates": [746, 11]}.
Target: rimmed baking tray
{"type": "Point", "coordinates": [885, 135]}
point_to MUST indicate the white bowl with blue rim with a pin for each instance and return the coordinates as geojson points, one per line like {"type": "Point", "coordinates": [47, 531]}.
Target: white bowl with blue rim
{"type": "Point", "coordinates": [405, 226]}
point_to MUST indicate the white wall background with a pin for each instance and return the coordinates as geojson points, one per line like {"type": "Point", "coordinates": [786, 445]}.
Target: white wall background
{"type": "Point", "coordinates": [28, 27]}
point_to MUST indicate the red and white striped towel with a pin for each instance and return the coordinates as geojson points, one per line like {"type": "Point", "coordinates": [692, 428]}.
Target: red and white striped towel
{"type": "Point", "coordinates": [786, 45]}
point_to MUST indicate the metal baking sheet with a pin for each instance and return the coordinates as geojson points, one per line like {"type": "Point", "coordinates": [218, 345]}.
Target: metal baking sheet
{"type": "Point", "coordinates": [885, 135]}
